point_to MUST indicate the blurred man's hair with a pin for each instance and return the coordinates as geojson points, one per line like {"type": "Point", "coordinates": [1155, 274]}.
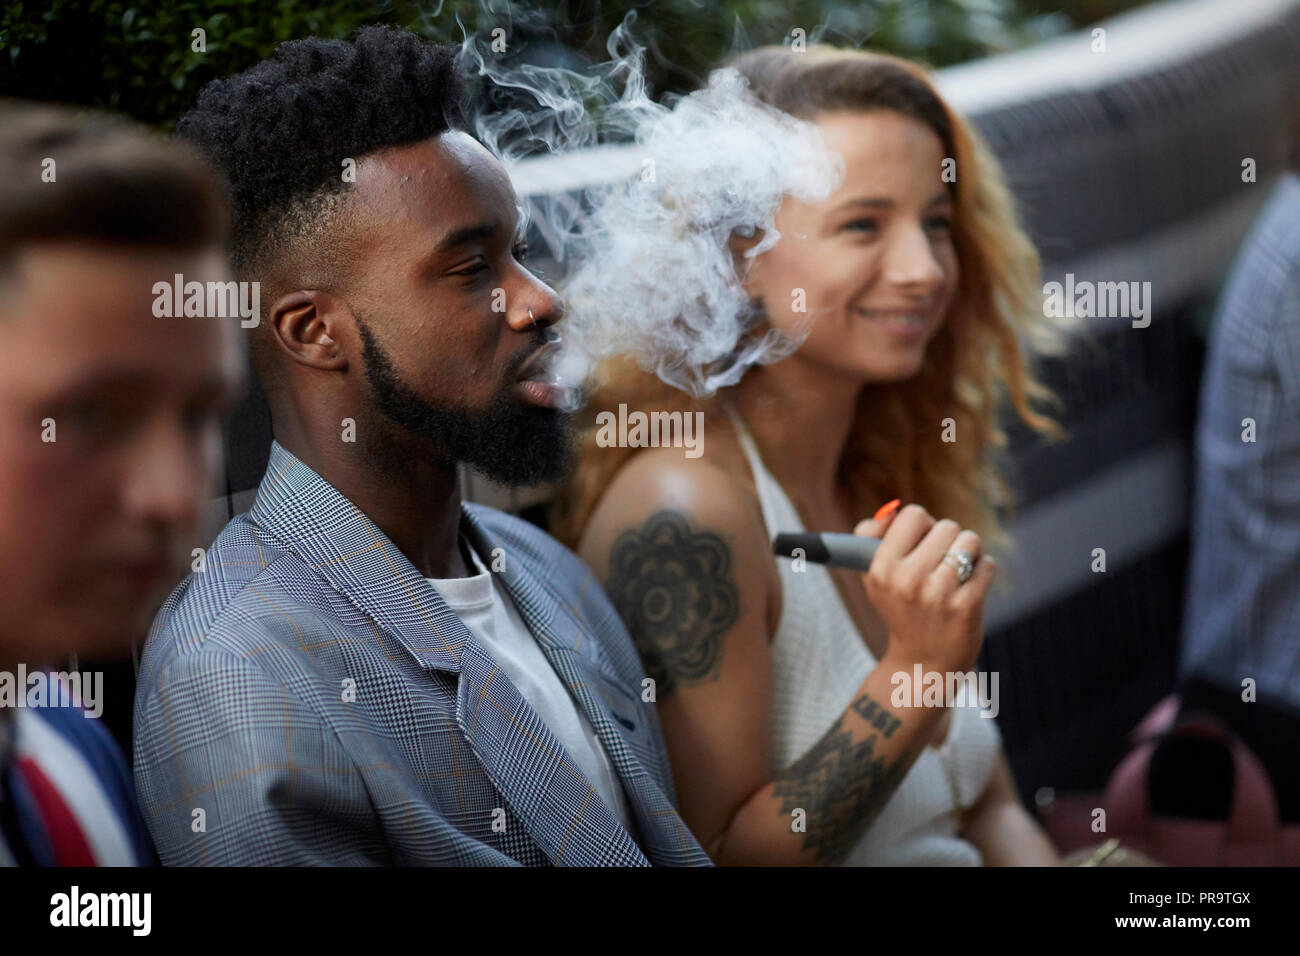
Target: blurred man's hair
{"type": "Point", "coordinates": [281, 131]}
{"type": "Point", "coordinates": [112, 181]}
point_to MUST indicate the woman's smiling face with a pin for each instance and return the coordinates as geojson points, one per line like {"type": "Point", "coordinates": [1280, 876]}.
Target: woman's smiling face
{"type": "Point", "coordinates": [874, 266]}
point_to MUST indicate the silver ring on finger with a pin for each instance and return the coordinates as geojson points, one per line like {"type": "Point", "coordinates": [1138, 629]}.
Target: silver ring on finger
{"type": "Point", "coordinates": [963, 562]}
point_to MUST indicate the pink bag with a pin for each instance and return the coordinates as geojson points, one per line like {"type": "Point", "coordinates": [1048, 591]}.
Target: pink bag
{"type": "Point", "coordinates": [1251, 836]}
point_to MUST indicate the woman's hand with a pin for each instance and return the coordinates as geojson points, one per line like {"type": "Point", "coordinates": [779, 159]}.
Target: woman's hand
{"type": "Point", "coordinates": [933, 618]}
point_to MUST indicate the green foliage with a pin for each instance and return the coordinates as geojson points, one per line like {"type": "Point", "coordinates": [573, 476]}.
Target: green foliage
{"type": "Point", "coordinates": [137, 56]}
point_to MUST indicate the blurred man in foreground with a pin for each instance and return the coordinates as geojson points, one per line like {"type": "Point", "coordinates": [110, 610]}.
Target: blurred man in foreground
{"type": "Point", "coordinates": [109, 432]}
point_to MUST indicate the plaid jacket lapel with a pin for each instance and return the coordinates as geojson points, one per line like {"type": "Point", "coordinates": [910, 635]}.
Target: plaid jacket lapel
{"type": "Point", "coordinates": [614, 712]}
{"type": "Point", "coordinates": [545, 788]}
{"type": "Point", "coordinates": [524, 760]}
{"type": "Point", "coordinates": [335, 538]}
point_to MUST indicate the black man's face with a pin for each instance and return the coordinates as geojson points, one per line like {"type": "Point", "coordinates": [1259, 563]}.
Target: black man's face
{"type": "Point", "coordinates": [450, 321]}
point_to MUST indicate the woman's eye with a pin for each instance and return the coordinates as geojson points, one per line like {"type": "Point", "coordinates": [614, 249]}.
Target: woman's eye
{"type": "Point", "coordinates": [521, 251]}
{"type": "Point", "coordinates": [862, 225]}
{"type": "Point", "coordinates": [939, 222]}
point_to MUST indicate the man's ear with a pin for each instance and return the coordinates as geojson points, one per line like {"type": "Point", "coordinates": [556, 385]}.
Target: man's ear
{"type": "Point", "coordinates": [309, 326]}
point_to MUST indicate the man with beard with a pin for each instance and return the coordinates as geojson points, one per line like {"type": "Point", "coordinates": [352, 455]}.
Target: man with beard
{"type": "Point", "coordinates": [347, 681]}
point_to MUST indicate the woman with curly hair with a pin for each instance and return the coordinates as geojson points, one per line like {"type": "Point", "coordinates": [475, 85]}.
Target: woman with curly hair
{"type": "Point", "coordinates": [780, 685]}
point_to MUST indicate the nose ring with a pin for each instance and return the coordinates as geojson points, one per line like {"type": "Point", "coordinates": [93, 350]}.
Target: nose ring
{"type": "Point", "coordinates": [531, 319]}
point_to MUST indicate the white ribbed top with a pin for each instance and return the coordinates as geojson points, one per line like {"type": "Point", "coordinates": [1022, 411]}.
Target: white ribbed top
{"type": "Point", "coordinates": [818, 663]}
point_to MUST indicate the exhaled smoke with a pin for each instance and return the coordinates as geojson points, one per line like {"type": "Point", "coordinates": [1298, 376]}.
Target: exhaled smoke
{"type": "Point", "coordinates": [644, 228]}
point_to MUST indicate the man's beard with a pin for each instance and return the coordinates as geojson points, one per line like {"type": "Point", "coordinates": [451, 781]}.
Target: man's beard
{"type": "Point", "coordinates": [511, 442]}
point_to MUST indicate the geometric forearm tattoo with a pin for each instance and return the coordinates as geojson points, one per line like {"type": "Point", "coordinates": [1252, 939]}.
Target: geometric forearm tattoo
{"type": "Point", "coordinates": [674, 590]}
{"type": "Point", "coordinates": [877, 716]}
{"type": "Point", "coordinates": [841, 785]}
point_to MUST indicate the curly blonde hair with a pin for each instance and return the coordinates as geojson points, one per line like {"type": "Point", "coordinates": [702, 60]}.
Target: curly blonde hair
{"type": "Point", "coordinates": [891, 452]}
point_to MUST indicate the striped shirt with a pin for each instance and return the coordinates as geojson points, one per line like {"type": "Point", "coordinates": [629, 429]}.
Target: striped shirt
{"type": "Point", "coordinates": [65, 793]}
{"type": "Point", "coordinates": [1243, 605]}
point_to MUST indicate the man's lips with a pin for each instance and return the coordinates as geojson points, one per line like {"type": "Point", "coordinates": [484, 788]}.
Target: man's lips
{"type": "Point", "coordinates": [537, 365]}
{"type": "Point", "coordinates": [546, 394]}
{"type": "Point", "coordinates": [540, 379]}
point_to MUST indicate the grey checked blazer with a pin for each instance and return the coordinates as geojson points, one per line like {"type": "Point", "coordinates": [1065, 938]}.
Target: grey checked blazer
{"type": "Point", "coordinates": [308, 698]}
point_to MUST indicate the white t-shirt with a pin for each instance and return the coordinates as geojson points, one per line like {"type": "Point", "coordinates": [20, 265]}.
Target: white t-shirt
{"type": "Point", "coordinates": [484, 607]}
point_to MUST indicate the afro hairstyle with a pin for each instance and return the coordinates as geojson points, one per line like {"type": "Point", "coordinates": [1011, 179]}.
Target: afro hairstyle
{"type": "Point", "coordinates": [280, 130]}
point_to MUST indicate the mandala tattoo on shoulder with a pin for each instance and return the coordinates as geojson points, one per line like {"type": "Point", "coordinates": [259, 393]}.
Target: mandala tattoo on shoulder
{"type": "Point", "coordinates": [674, 590]}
